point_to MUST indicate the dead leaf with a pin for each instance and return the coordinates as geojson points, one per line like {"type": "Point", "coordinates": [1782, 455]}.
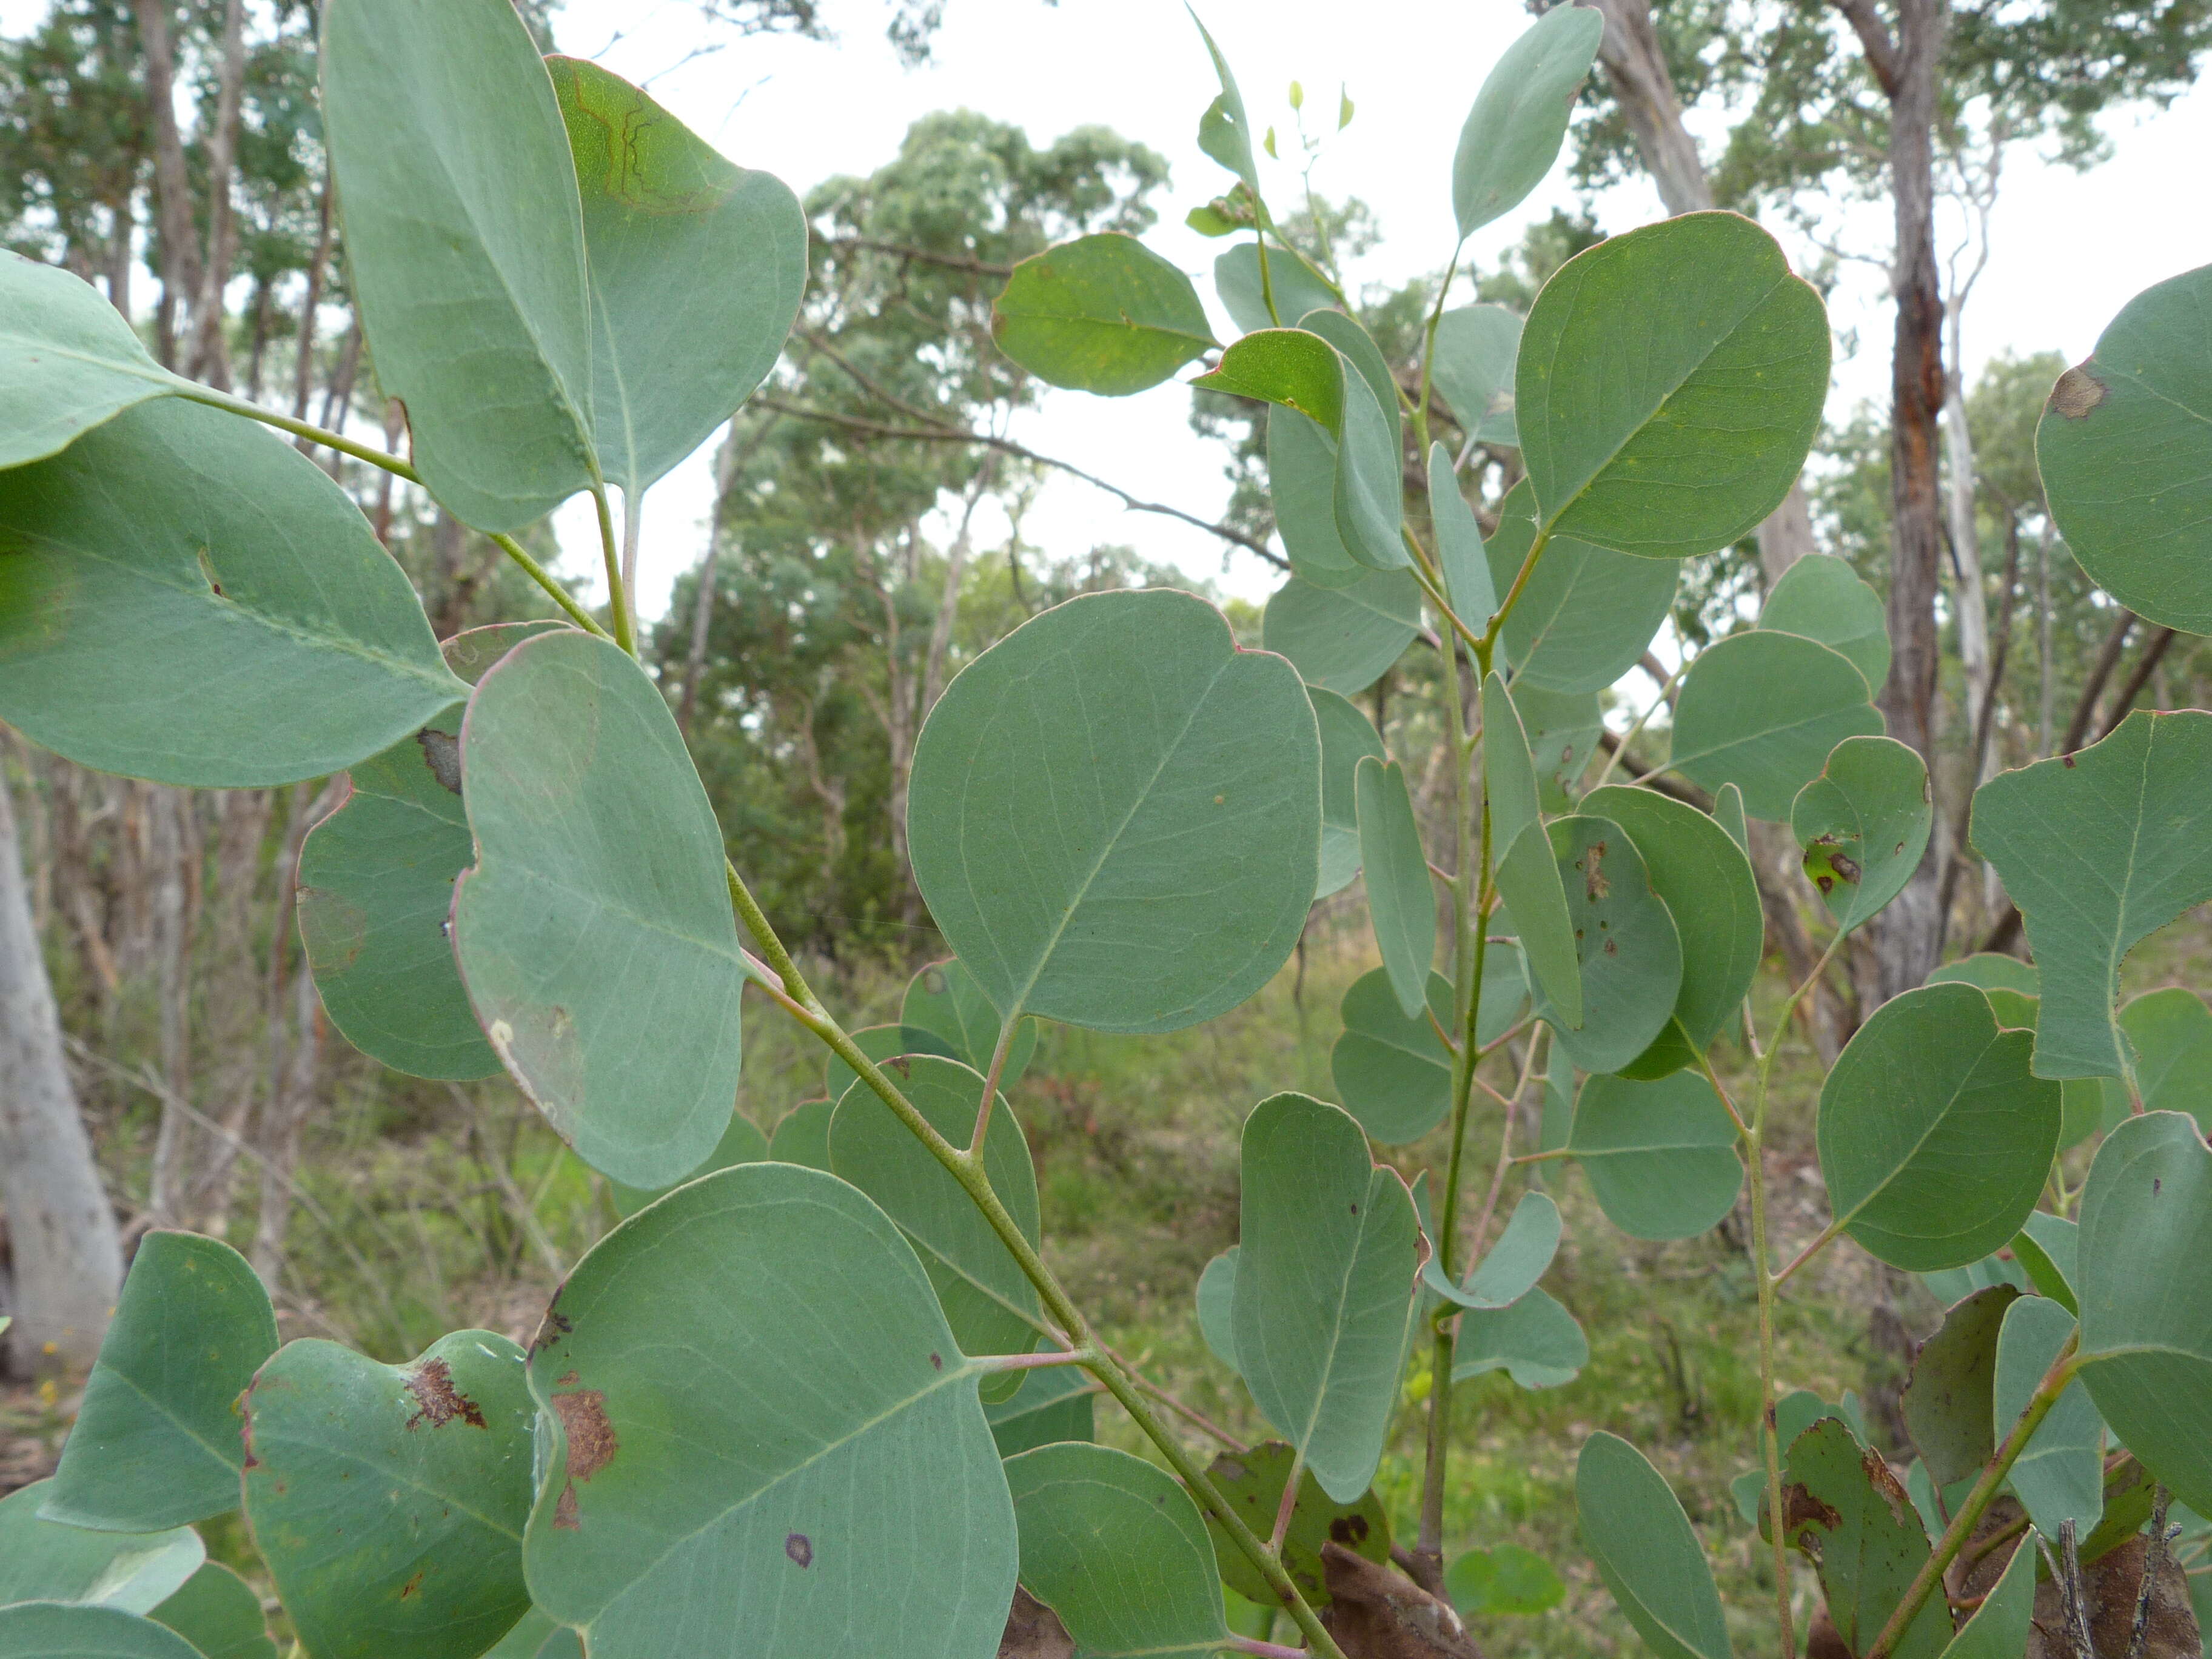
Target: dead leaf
{"type": "Point", "coordinates": [1376, 1612]}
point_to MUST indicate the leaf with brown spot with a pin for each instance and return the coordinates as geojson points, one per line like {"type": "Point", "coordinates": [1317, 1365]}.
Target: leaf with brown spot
{"type": "Point", "coordinates": [1253, 1481]}
{"type": "Point", "coordinates": [1849, 1514]}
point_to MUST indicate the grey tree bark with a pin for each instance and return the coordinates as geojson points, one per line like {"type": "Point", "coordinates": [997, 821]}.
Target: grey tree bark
{"type": "Point", "coordinates": [68, 1253]}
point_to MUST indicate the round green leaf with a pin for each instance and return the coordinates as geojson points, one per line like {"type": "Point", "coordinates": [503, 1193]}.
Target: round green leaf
{"type": "Point", "coordinates": [802, 1135]}
{"type": "Point", "coordinates": [1645, 1552]}
{"type": "Point", "coordinates": [1347, 735]}
{"type": "Point", "coordinates": [1661, 1157]}
{"type": "Point", "coordinates": [1535, 1341]}
{"type": "Point", "coordinates": [1563, 733]}
{"type": "Point", "coordinates": [2170, 1032]}
{"type": "Point", "coordinates": [464, 240]}
{"type": "Point", "coordinates": [1299, 287]}
{"type": "Point", "coordinates": [1698, 868]}
{"type": "Point", "coordinates": [1400, 899]}
{"type": "Point", "coordinates": [1460, 556]}
{"type": "Point", "coordinates": [1344, 639]}
{"type": "Point", "coordinates": [945, 1010]}
{"type": "Point", "coordinates": [1505, 1581]}
{"type": "Point", "coordinates": [1292, 368]}
{"type": "Point", "coordinates": [2060, 1477]}
{"type": "Point", "coordinates": [42, 1560]}
{"type": "Point", "coordinates": [1762, 710]}
{"type": "Point", "coordinates": [1526, 874]}
{"type": "Point", "coordinates": [1630, 954]}
{"type": "Point", "coordinates": [1669, 385]}
{"type": "Point", "coordinates": [1102, 313]}
{"type": "Point", "coordinates": [1586, 614]}
{"type": "Point", "coordinates": [1301, 487]}
{"type": "Point", "coordinates": [1052, 1405]}
{"type": "Point", "coordinates": [2010, 983]}
{"type": "Point", "coordinates": [1395, 1072]}
{"type": "Point", "coordinates": [47, 1630]}
{"type": "Point", "coordinates": [1216, 1306]}
{"type": "Point", "coordinates": [1473, 369]}
{"type": "Point", "coordinates": [1116, 1548]}
{"type": "Point", "coordinates": [68, 359]}
{"type": "Point", "coordinates": [1359, 350]}
{"type": "Point", "coordinates": [1934, 1140]}
{"type": "Point", "coordinates": [156, 1443]}
{"type": "Point", "coordinates": [2049, 1247]}
{"type": "Point", "coordinates": [1324, 1287]}
{"type": "Point", "coordinates": [595, 933]}
{"type": "Point", "coordinates": [673, 356]}
{"type": "Point", "coordinates": [1863, 824]}
{"type": "Point", "coordinates": [1821, 597]}
{"type": "Point", "coordinates": [538, 1637]}
{"type": "Point", "coordinates": [1252, 1480]}
{"type": "Point", "coordinates": [741, 1143]}
{"type": "Point", "coordinates": [1949, 1401]}
{"type": "Point", "coordinates": [242, 625]}
{"type": "Point", "coordinates": [1116, 814]}
{"type": "Point", "coordinates": [376, 888]}
{"type": "Point", "coordinates": [2146, 1305]}
{"type": "Point", "coordinates": [1513, 134]}
{"type": "Point", "coordinates": [217, 1611]}
{"type": "Point", "coordinates": [2100, 849]}
{"type": "Point", "coordinates": [2124, 448]}
{"type": "Point", "coordinates": [388, 1500]}
{"type": "Point", "coordinates": [989, 1302]}
{"type": "Point", "coordinates": [768, 1436]}
{"type": "Point", "coordinates": [1510, 1267]}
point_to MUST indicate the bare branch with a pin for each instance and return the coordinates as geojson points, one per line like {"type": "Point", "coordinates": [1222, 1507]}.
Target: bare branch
{"type": "Point", "coordinates": [1873, 39]}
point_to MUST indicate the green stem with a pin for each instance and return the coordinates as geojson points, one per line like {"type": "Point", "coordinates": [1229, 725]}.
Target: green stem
{"type": "Point", "coordinates": [617, 592]}
{"type": "Point", "coordinates": [1488, 642]}
{"type": "Point", "coordinates": [538, 573]}
{"type": "Point", "coordinates": [1429, 354]}
{"type": "Point", "coordinates": [1930, 1575]}
{"type": "Point", "coordinates": [799, 1000]}
{"type": "Point", "coordinates": [316, 434]}
{"type": "Point", "coordinates": [1266, 284]}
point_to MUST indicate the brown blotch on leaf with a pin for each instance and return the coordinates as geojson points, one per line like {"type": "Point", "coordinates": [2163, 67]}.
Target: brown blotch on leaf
{"type": "Point", "coordinates": [2078, 391]}
{"type": "Point", "coordinates": [441, 753]}
{"type": "Point", "coordinates": [1349, 1530]}
{"type": "Point", "coordinates": [1845, 866]}
{"type": "Point", "coordinates": [554, 1326]}
{"type": "Point", "coordinates": [564, 1511]}
{"type": "Point", "coordinates": [412, 1584]}
{"type": "Point", "coordinates": [438, 1402]}
{"type": "Point", "coordinates": [800, 1549]}
{"type": "Point", "coordinates": [937, 1362]}
{"type": "Point", "coordinates": [1594, 877]}
{"type": "Point", "coordinates": [592, 1442]}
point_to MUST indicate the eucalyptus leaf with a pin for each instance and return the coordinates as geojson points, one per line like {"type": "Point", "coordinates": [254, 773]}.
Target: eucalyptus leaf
{"type": "Point", "coordinates": [802, 1135]}
{"type": "Point", "coordinates": [1252, 1480]}
{"type": "Point", "coordinates": [1116, 814]}
{"type": "Point", "coordinates": [231, 579]}
{"type": "Point", "coordinates": [2060, 1475]}
{"type": "Point", "coordinates": [1324, 1287]}
{"type": "Point", "coordinates": [2049, 1247]}
{"type": "Point", "coordinates": [1563, 734]}
{"type": "Point", "coordinates": [1297, 288]}
{"type": "Point", "coordinates": [758, 1400]}
{"type": "Point", "coordinates": [1669, 385]}
{"type": "Point", "coordinates": [2001, 1627]}
{"type": "Point", "coordinates": [1626, 943]}
{"type": "Point", "coordinates": [1460, 557]}
{"type": "Point", "coordinates": [1292, 367]}
{"type": "Point", "coordinates": [1341, 330]}
{"type": "Point", "coordinates": [1226, 132]}
{"type": "Point", "coordinates": [741, 1143]}
{"type": "Point", "coordinates": [1400, 899]}
{"type": "Point", "coordinates": [1935, 1138]}
{"type": "Point", "coordinates": [1343, 640]}
{"type": "Point", "coordinates": [2100, 849]}
{"type": "Point", "coordinates": [1586, 614]}
{"type": "Point", "coordinates": [388, 1500]}
{"type": "Point", "coordinates": [155, 1443]}
{"type": "Point", "coordinates": [1526, 873]}
{"type": "Point", "coordinates": [882, 1044]}
{"type": "Point", "coordinates": [49, 1630]}
{"type": "Point", "coordinates": [1821, 597]}
{"type": "Point", "coordinates": [1763, 710]}
{"type": "Point", "coordinates": [945, 1011]}
{"type": "Point", "coordinates": [1472, 368]}
{"type": "Point", "coordinates": [672, 357]}
{"type": "Point", "coordinates": [1863, 825]}
{"type": "Point", "coordinates": [536, 1637]}
{"type": "Point", "coordinates": [1661, 1155]}
{"type": "Point", "coordinates": [45, 1560]}
{"type": "Point", "coordinates": [1394, 1071]}
{"type": "Point", "coordinates": [1513, 134]}
{"type": "Point", "coordinates": [2169, 1033]}
{"type": "Point", "coordinates": [1949, 1400]}
{"type": "Point", "coordinates": [1508, 1270]}
{"type": "Point", "coordinates": [1507, 1580]}
{"type": "Point", "coordinates": [1102, 313]}
{"type": "Point", "coordinates": [464, 243]}
{"type": "Point", "coordinates": [595, 933]}
{"type": "Point", "coordinates": [1851, 1515]}
{"type": "Point", "coordinates": [1950, 1286]}
{"type": "Point", "coordinates": [218, 1613]}
{"type": "Point", "coordinates": [1216, 1306]}
{"type": "Point", "coordinates": [1536, 1342]}
{"type": "Point", "coordinates": [1302, 490]}
{"type": "Point", "coordinates": [1348, 736]}
{"type": "Point", "coordinates": [1644, 1550]}
{"type": "Point", "coordinates": [68, 361]}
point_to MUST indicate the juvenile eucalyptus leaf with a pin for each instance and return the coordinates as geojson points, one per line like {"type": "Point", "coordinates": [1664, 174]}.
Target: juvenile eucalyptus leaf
{"type": "Point", "coordinates": [1301, 488]}
{"type": "Point", "coordinates": [465, 240]}
{"type": "Point", "coordinates": [1821, 597]}
{"type": "Point", "coordinates": [1563, 733]}
{"type": "Point", "coordinates": [1728, 812]}
{"type": "Point", "coordinates": [1298, 289]}
{"type": "Point", "coordinates": [2170, 1034]}
{"type": "Point", "coordinates": [217, 1611]}
{"type": "Point", "coordinates": [882, 1044]}
{"type": "Point", "coordinates": [770, 1444]}
{"type": "Point", "coordinates": [1935, 1138]}
{"type": "Point", "coordinates": [1863, 825]}
{"type": "Point", "coordinates": [389, 1500]}
{"type": "Point", "coordinates": [1949, 1400]}
{"type": "Point", "coordinates": [68, 359]}
{"type": "Point", "coordinates": [1116, 1546]}
{"type": "Point", "coordinates": [2125, 448]}
{"type": "Point", "coordinates": [741, 1143]}
{"type": "Point", "coordinates": [1293, 367]}
{"type": "Point", "coordinates": [1536, 1342]}
{"type": "Point", "coordinates": [1527, 875]}
{"type": "Point", "coordinates": [1348, 736]}
{"type": "Point", "coordinates": [1630, 954]}
{"type": "Point", "coordinates": [1846, 1509]}
{"type": "Point", "coordinates": [1513, 133]}
{"type": "Point", "coordinates": [1472, 369]}
{"type": "Point", "coordinates": [1661, 1155]}
{"type": "Point", "coordinates": [1705, 879]}
{"type": "Point", "coordinates": [1644, 1550]}
{"type": "Point", "coordinates": [536, 1637]}
{"type": "Point", "coordinates": [1508, 1270]}
{"type": "Point", "coordinates": [2049, 1247]}
{"type": "Point", "coordinates": [1950, 1286]}
{"type": "Point", "coordinates": [376, 888]}
{"type": "Point", "coordinates": [1794, 1414]}
{"type": "Point", "coordinates": [1394, 1071]}
{"type": "Point", "coordinates": [989, 1301]}
{"type": "Point", "coordinates": [1400, 899]}
{"type": "Point", "coordinates": [1343, 640]}
{"type": "Point", "coordinates": [44, 1560]}
{"type": "Point", "coordinates": [672, 357]}
{"type": "Point", "coordinates": [1103, 314]}
{"type": "Point", "coordinates": [595, 933]}
{"type": "Point", "coordinates": [1341, 330]}
{"type": "Point", "coordinates": [945, 1011]}
{"type": "Point", "coordinates": [231, 579]}
{"type": "Point", "coordinates": [1586, 614]}
{"type": "Point", "coordinates": [2146, 1308]}
{"type": "Point", "coordinates": [802, 1135]}
{"type": "Point", "coordinates": [1224, 132]}
{"type": "Point", "coordinates": [1052, 1405]}
{"type": "Point", "coordinates": [2100, 849]}
{"type": "Point", "coordinates": [1669, 385]}
{"type": "Point", "coordinates": [156, 1443]}
{"type": "Point", "coordinates": [1216, 1306]}
{"type": "Point", "coordinates": [1763, 710]}
{"type": "Point", "coordinates": [1460, 557]}
{"type": "Point", "coordinates": [2010, 984]}
{"type": "Point", "coordinates": [1508, 1580]}
{"type": "Point", "coordinates": [2060, 1476]}
{"type": "Point", "coordinates": [50, 1629]}
{"type": "Point", "coordinates": [1324, 1287]}
{"type": "Point", "coordinates": [1252, 1480]}
{"type": "Point", "coordinates": [1116, 814]}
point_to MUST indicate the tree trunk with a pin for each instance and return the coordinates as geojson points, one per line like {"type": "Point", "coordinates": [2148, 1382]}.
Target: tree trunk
{"type": "Point", "coordinates": [211, 355]}
{"type": "Point", "coordinates": [172, 189]}
{"type": "Point", "coordinates": [703, 614]}
{"type": "Point", "coordinates": [68, 1255]}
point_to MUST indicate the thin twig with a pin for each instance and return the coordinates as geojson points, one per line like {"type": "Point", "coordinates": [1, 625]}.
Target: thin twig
{"type": "Point", "coordinates": [2153, 1558]}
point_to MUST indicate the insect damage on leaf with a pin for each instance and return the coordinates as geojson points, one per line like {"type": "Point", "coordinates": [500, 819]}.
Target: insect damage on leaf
{"type": "Point", "coordinates": [592, 1447]}
{"type": "Point", "coordinates": [1826, 865]}
{"type": "Point", "coordinates": [441, 753]}
{"type": "Point", "coordinates": [2077, 392]}
{"type": "Point", "coordinates": [437, 1401]}
{"type": "Point", "coordinates": [1595, 881]}
{"type": "Point", "coordinates": [800, 1549]}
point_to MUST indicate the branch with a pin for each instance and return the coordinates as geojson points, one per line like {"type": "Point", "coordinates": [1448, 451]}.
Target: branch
{"type": "Point", "coordinates": [2132, 688]}
{"type": "Point", "coordinates": [1873, 39]}
{"type": "Point", "coordinates": [959, 435]}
